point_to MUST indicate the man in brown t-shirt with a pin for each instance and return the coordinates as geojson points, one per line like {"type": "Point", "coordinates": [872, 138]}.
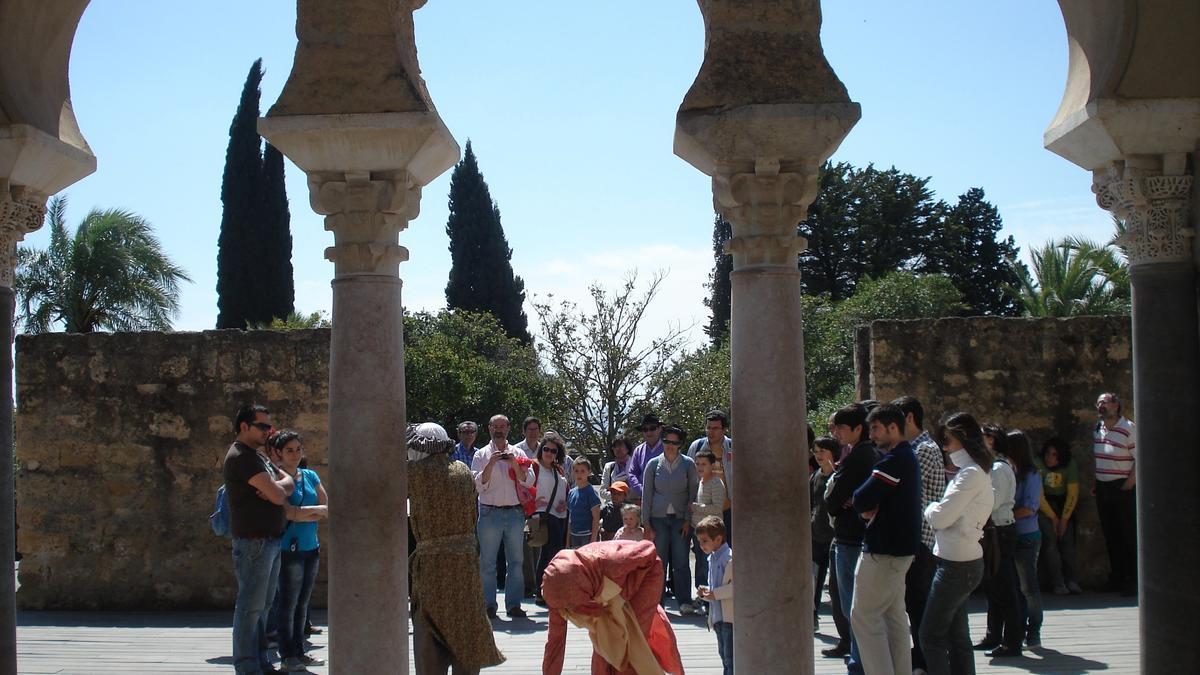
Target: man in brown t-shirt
{"type": "Point", "coordinates": [256, 491]}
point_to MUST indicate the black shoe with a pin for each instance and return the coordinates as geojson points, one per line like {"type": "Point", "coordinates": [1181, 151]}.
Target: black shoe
{"type": "Point", "coordinates": [492, 612]}
{"type": "Point", "coordinates": [986, 645]}
{"type": "Point", "coordinates": [539, 601]}
{"type": "Point", "coordinates": [836, 652]}
{"type": "Point", "coordinates": [313, 630]}
{"type": "Point", "coordinates": [516, 613]}
{"type": "Point", "coordinates": [1002, 652]}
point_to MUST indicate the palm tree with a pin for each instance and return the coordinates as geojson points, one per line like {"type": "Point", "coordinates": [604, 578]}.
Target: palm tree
{"type": "Point", "coordinates": [1072, 277]}
{"type": "Point", "coordinates": [111, 275]}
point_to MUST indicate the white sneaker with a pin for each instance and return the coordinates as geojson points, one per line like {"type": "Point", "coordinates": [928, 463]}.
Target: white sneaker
{"type": "Point", "coordinates": [311, 661]}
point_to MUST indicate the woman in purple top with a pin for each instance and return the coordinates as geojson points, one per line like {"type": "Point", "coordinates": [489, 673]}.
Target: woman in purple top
{"type": "Point", "coordinates": [1029, 536]}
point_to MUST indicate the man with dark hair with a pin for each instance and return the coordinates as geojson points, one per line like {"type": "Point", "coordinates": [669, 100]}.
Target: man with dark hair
{"type": "Point", "coordinates": [531, 430]}
{"type": "Point", "coordinates": [716, 426]}
{"type": "Point", "coordinates": [849, 427]}
{"type": "Point", "coordinates": [890, 502]}
{"type": "Point", "coordinates": [1115, 449]}
{"type": "Point", "coordinates": [933, 486]}
{"type": "Point", "coordinates": [647, 450]}
{"type": "Point", "coordinates": [464, 449]}
{"type": "Point", "coordinates": [256, 491]}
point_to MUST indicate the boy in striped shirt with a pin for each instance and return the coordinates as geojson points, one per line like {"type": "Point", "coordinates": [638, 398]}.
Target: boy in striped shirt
{"type": "Point", "coordinates": [1114, 448]}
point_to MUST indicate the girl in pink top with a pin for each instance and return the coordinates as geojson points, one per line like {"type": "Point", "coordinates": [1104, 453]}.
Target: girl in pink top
{"type": "Point", "coordinates": [632, 530]}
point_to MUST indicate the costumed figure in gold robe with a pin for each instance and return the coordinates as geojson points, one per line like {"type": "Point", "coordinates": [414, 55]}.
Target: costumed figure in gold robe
{"type": "Point", "coordinates": [450, 624]}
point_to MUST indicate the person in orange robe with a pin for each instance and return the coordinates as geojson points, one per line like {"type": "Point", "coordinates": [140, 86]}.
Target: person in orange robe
{"type": "Point", "coordinates": [612, 589]}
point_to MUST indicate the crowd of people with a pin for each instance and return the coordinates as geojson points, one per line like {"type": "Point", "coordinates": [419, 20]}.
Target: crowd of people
{"type": "Point", "coordinates": [905, 525]}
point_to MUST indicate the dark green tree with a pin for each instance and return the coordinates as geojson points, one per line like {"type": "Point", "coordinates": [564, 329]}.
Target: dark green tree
{"type": "Point", "coordinates": [719, 290]}
{"type": "Point", "coordinates": [278, 291]}
{"type": "Point", "coordinates": [864, 223]}
{"type": "Point", "coordinates": [254, 249]}
{"type": "Point", "coordinates": [236, 259]}
{"type": "Point", "coordinates": [481, 273]}
{"type": "Point", "coordinates": [964, 246]}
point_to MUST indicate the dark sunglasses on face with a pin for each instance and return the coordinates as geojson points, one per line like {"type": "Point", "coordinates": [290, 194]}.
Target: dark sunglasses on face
{"type": "Point", "coordinates": [666, 442]}
{"type": "Point", "coordinates": [262, 426]}
{"type": "Point", "coordinates": [549, 448]}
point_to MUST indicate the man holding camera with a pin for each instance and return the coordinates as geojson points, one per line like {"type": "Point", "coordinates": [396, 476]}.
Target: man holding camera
{"type": "Point", "coordinates": [501, 517]}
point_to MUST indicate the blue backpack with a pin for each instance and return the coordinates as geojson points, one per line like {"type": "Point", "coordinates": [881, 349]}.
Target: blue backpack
{"type": "Point", "coordinates": [219, 520]}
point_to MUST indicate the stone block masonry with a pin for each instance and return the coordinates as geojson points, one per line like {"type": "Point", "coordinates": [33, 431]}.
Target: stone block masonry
{"type": "Point", "coordinates": [120, 442]}
{"type": "Point", "coordinates": [1038, 375]}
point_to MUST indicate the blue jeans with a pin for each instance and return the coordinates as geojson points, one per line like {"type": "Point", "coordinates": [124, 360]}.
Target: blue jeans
{"type": "Point", "coordinates": [256, 566]}
{"type": "Point", "coordinates": [724, 631]}
{"type": "Point", "coordinates": [846, 560]}
{"type": "Point", "coordinates": [502, 525]}
{"type": "Point", "coordinates": [1031, 594]}
{"type": "Point", "coordinates": [945, 633]}
{"type": "Point", "coordinates": [673, 549]}
{"type": "Point", "coordinates": [297, 572]}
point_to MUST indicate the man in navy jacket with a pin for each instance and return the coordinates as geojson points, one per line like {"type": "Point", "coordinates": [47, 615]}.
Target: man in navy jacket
{"type": "Point", "coordinates": [890, 502]}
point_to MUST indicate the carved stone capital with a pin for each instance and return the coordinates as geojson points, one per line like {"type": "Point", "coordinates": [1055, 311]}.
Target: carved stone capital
{"type": "Point", "coordinates": [366, 212]}
{"type": "Point", "coordinates": [21, 211]}
{"type": "Point", "coordinates": [764, 208]}
{"type": "Point", "coordinates": [1152, 197]}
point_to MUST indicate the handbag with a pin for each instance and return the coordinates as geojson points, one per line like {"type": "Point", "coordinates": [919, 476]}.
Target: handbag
{"type": "Point", "coordinates": [537, 526]}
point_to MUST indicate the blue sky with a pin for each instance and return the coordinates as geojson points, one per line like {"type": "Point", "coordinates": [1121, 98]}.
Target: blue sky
{"type": "Point", "coordinates": [570, 107]}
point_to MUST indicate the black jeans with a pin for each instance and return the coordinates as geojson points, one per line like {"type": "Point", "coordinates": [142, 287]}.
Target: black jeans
{"type": "Point", "coordinates": [555, 541]}
{"type": "Point", "coordinates": [1004, 624]}
{"type": "Point", "coordinates": [1118, 519]}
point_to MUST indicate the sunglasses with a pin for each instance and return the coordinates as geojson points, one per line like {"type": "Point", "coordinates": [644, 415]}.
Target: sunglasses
{"type": "Point", "coordinates": [262, 426]}
{"type": "Point", "coordinates": [549, 448]}
{"type": "Point", "coordinates": [666, 442]}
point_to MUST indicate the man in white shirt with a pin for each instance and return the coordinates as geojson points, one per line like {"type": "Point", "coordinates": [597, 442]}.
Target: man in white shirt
{"type": "Point", "coordinates": [1114, 448]}
{"type": "Point", "coordinates": [501, 517]}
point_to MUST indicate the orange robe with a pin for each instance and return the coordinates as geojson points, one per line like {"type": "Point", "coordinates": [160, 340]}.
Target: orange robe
{"type": "Point", "coordinates": [575, 578]}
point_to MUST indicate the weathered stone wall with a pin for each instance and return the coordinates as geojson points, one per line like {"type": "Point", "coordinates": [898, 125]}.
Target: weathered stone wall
{"type": "Point", "coordinates": [120, 441]}
{"type": "Point", "coordinates": [1038, 375]}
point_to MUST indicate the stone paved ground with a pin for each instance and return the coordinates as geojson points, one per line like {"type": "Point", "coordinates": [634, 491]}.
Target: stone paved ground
{"type": "Point", "coordinates": [1083, 634]}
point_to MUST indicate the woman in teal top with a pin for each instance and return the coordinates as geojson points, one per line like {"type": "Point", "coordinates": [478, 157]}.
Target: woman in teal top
{"type": "Point", "coordinates": [301, 551]}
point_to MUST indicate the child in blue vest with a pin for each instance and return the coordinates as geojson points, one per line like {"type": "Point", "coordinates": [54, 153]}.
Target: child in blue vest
{"type": "Point", "coordinates": [710, 532]}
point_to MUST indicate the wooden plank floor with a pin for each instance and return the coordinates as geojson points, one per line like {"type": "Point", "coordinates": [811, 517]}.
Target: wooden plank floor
{"type": "Point", "coordinates": [1081, 634]}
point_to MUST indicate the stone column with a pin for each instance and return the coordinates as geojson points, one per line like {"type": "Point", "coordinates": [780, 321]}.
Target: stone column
{"type": "Point", "coordinates": [1151, 193]}
{"type": "Point", "coordinates": [765, 111]}
{"type": "Point", "coordinates": [21, 212]}
{"type": "Point", "coordinates": [356, 117]}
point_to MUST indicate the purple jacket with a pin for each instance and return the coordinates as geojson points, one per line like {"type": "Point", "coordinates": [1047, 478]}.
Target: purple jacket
{"type": "Point", "coordinates": [637, 465]}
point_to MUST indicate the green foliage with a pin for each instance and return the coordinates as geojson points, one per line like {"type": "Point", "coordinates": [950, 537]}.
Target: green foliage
{"type": "Point", "coordinates": [720, 292]}
{"type": "Point", "coordinates": [863, 223]}
{"type": "Point", "coordinates": [296, 321]}
{"type": "Point", "coordinates": [1072, 277]}
{"type": "Point", "coordinates": [111, 275]}
{"type": "Point", "coordinates": [481, 273]}
{"type": "Point", "coordinates": [603, 370]}
{"type": "Point", "coordinates": [964, 247]}
{"type": "Point", "coordinates": [254, 248]}
{"type": "Point", "coordinates": [829, 328]}
{"type": "Point", "coordinates": [866, 223]}
{"type": "Point", "coordinates": [461, 366]}
{"type": "Point", "coordinates": [695, 383]}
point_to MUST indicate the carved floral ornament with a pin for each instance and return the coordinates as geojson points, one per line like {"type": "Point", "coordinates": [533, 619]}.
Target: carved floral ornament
{"type": "Point", "coordinates": [366, 212]}
{"type": "Point", "coordinates": [21, 212]}
{"type": "Point", "coordinates": [764, 208]}
{"type": "Point", "coordinates": [1154, 208]}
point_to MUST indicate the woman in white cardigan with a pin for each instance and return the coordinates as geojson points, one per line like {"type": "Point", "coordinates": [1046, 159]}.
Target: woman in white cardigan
{"type": "Point", "coordinates": [957, 521]}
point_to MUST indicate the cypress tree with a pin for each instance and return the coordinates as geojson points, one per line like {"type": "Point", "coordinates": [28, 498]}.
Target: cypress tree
{"type": "Point", "coordinates": [240, 199]}
{"type": "Point", "coordinates": [278, 294]}
{"type": "Point", "coordinates": [481, 273]}
{"type": "Point", "coordinates": [719, 290]}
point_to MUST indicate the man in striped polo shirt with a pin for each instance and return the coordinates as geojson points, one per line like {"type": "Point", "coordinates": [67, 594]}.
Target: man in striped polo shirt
{"type": "Point", "coordinates": [1114, 449]}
